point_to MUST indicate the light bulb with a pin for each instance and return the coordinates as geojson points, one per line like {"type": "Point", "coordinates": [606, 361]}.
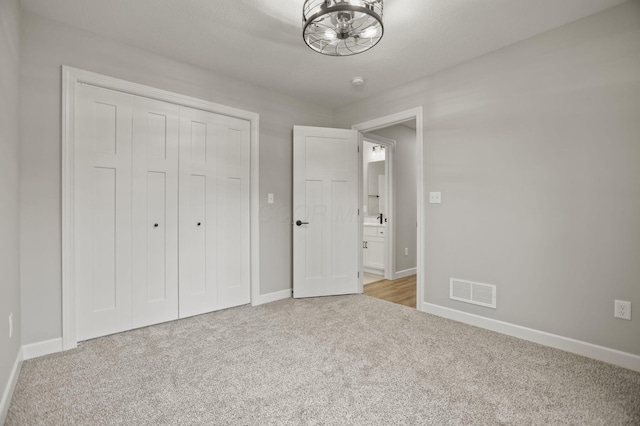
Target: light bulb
{"type": "Point", "coordinates": [369, 32]}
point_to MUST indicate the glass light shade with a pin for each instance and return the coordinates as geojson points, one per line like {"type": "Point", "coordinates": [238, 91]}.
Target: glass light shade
{"type": "Point", "coordinates": [342, 27]}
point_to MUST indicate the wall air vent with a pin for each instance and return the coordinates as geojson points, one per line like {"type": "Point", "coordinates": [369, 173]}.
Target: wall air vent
{"type": "Point", "coordinates": [472, 292]}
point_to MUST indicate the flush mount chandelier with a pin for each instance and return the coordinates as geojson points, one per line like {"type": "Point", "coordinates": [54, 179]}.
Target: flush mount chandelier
{"type": "Point", "coordinates": [342, 27]}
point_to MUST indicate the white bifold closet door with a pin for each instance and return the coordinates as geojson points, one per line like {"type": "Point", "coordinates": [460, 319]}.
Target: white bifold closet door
{"type": "Point", "coordinates": [161, 216]}
{"type": "Point", "coordinates": [102, 213]}
{"type": "Point", "coordinates": [214, 212]}
{"type": "Point", "coordinates": [154, 231]}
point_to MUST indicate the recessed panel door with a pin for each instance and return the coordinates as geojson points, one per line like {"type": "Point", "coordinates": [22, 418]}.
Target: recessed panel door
{"type": "Point", "coordinates": [325, 214]}
{"type": "Point", "coordinates": [214, 212]}
{"type": "Point", "coordinates": [233, 212]}
{"type": "Point", "coordinates": [154, 244]}
{"type": "Point", "coordinates": [102, 211]}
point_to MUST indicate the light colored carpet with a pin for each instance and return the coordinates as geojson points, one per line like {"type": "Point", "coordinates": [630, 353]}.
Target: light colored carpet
{"type": "Point", "coordinates": [334, 360]}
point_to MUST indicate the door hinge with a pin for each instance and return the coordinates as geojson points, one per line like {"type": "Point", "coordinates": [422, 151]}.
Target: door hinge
{"type": "Point", "coordinates": [358, 274]}
{"type": "Point", "coordinates": [358, 212]}
{"type": "Point", "coordinates": [358, 149]}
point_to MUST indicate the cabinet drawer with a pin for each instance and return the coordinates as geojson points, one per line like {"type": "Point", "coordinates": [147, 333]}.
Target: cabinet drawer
{"type": "Point", "coordinates": [370, 231]}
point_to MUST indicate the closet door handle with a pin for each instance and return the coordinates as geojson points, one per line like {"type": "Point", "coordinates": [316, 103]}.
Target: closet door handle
{"type": "Point", "coordinates": [199, 223]}
{"type": "Point", "coordinates": [155, 225]}
{"type": "Point", "coordinates": [300, 223]}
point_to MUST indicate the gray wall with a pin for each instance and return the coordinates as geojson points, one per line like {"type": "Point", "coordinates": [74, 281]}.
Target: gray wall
{"type": "Point", "coordinates": [9, 186]}
{"type": "Point", "coordinates": [46, 46]}
{"type": "Point", "coordinates": [406, 197]}
{"type": "Point", "coordinates": [536, 149]}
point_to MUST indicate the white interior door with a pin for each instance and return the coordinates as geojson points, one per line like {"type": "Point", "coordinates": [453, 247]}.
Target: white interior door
{"type": "Point", "coordinates": [154, 234]}
{"type": "Point", "coordinates": [214, 212]}
{"type": "Point", "coordinates": [325, 211]}
{"type": "Point", "coordinates": [102, 211]}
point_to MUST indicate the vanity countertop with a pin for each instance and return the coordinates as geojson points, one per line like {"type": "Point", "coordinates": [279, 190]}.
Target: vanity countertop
{"type": "Point", "coordinates": [375, 224]}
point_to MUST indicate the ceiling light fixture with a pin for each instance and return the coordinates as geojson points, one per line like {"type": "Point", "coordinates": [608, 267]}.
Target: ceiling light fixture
{"type": "Point", "coordinates": [342, 27]}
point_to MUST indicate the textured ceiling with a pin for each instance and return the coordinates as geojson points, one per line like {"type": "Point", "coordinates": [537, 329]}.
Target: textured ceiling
{"type": "Point", "coordinates": [260, 41]}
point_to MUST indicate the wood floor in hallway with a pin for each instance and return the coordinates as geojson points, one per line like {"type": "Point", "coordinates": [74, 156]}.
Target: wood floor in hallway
{"type": "Point", "coordinates": [401, 291]}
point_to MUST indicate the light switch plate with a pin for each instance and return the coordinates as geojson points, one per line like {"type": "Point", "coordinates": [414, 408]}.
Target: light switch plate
{"type": "Point", "coordinates": [435, 197]}
{"type": "Point", "coordinates": [270, 198]}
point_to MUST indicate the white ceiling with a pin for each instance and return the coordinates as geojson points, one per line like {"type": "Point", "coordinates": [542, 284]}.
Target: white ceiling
{"type": "Point", "coordinates": [260, 41]}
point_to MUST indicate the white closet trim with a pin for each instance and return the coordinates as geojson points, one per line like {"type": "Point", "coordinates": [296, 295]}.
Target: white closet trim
{"type": "Point", "coordinates": [71, 77]}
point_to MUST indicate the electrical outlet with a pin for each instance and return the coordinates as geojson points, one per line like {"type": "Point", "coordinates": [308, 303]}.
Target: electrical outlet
{"type": "Point", "coordinates": [622, 309]}
{"type": "Point", "coordinates": [435, 197]}
{"type": "Point", "coordinates": [10, 325]}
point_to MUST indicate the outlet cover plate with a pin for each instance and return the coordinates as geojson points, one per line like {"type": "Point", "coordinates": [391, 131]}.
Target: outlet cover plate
{"type": "Point", "coordinates": [622, 309]}
{"type": "Point", "coordinates": [435, 197]}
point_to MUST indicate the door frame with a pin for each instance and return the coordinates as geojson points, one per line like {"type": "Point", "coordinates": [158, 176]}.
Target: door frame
{"type": "Point", "coordinates": [71, 77]}
{"type": "Point", "coordinates": [387, 121]}
{"type": "Point", "coordinates": [389, 167]}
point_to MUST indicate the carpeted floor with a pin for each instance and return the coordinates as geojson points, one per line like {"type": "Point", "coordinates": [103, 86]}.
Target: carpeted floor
{"type": "Point", "coordinates": [334, 360]}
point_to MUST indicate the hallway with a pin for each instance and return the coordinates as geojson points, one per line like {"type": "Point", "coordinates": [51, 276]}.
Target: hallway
{"type": "Point", "coordinates": [401, 291]}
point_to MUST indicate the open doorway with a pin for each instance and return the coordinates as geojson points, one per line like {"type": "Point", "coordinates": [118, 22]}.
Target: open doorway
{"type": "Point", "coordinates": [322, 158]}
{"type": "Point", "coordinates": [377, 198]}
{"type": "Point", "coordinates": [389, 206]}
{"type": "Point", "coordinates": [411, 118]}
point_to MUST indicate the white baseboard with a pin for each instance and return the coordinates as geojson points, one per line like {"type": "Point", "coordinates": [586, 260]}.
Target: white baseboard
{"type": "Point", "coordinates": [601, 353]}
{"type": "Point", "coordinates": [404, 273]}
{"type": "Point", "coordinates": [46, 347]}
{"type": "Point", "coordinates": [10, 387]}
{"type": "Point", "coordinates": [272, 297]}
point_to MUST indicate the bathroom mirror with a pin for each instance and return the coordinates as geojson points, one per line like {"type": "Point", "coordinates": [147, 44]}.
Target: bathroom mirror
{"type": "Point", "coordinates": [376, 188]}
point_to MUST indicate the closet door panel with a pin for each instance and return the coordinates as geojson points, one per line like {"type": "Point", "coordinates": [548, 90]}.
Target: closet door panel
{"type": "Point", "coordinates": [198, 214]}
{"type": "Point", "coordinates": [155, 211]}
{"type": "Point", "coordinates": [102, 211]}
{"type": "Point", "coordinates": [233, 212]}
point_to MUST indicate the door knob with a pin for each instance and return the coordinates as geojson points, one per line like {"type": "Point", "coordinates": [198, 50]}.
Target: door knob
{"type": "Point", "coordinates": [300, 223]}
{"type": "Point", "coordinates": [155, 225]}
{"type": "Point", "coordinates": [199, 223]}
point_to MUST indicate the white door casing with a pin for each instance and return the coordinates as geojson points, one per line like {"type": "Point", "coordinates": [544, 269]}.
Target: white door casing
{"type": "Point", "coordinates": [325, 201]}
{"type": "Point", "coordinates": [390, 120]}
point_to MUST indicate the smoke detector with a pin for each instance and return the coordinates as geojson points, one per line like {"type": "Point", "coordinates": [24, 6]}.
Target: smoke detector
{"type": "Point", "coordinates": [357, 81]}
